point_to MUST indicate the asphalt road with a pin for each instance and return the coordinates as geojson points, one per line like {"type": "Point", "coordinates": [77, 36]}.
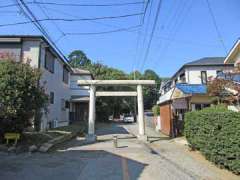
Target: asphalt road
{"type": "Point", "coordinates": [77, 160]}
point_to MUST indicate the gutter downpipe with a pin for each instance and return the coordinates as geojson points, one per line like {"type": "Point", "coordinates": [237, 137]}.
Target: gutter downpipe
{"type": "Point", "coordinates": [171, 115]}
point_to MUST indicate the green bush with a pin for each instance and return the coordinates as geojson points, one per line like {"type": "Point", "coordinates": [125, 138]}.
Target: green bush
{"type": "Point", "coordinates": [21, 97]}
{"type": "Point", "coordinates": [215, 132]}
{"type": "Point", "coordinates": [156, 110]}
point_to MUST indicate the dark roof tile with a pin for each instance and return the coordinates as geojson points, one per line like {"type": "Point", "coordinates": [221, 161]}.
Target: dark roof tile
{"type": "Point", "coordinates": [207, 61]}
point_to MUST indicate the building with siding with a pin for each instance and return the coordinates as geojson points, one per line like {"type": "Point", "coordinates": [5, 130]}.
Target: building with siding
{"type": "Point", "coordinates": [187, 90]}
{"type": "Point", "coordinates": [58, 78]}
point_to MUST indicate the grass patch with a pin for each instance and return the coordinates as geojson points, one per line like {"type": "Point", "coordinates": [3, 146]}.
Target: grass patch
{"type": "Point", "coordinates": [39, 138]}
{"type": "Point", "coordinates": [78, 128]}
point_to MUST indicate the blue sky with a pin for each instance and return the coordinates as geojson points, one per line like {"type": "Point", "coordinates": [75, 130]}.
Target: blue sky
{"type": "Point", "coordinates": [185, 31]}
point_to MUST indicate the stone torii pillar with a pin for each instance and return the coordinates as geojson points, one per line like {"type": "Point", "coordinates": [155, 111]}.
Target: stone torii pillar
{"type": "Point", "coordinates": [92, 114]}
{"type": "Point", "coordinates": [141, 122]}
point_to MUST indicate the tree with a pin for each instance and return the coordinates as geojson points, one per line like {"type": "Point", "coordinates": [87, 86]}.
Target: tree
{"type": "Point", "coordinates": [116, 105]}
{"type": "Point", "coordinates": [224, 90]}
{"type": "Point", "coordinates": [151, 94]}
{"type": "Point", "coordinates": [78, 59]}
{"type": "Point", "coordinates": [152, 75]}
{"type": "Point", "coordinates": [21, 96]}
{"type": "Point", "coordinates": [135, 75]}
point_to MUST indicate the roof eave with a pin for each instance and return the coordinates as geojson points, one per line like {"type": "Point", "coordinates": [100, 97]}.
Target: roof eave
{"type": "Point", "coordinates": [40, 37]}
{"type": "Point", "coordinates": [232, 51]}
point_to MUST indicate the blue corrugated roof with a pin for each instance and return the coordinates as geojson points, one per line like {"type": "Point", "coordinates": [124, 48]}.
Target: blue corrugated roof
{"type": "Point", "coordinates": [192, 88]}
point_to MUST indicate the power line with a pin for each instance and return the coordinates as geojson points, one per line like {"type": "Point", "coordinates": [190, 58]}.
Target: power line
{"type": "Point", "coordinates": [139, 36]}
{"type": "Point", "coordinates": [119, 29]}
{"type": "Point", "coordinates": [75, 16]}
{"type": "Point", "coordinates": [152, 33]}
{"type": "Point", "coordinates": [146, 30]}
{"type": "Point", "coordinates": [29, 14]}
{"type": "Point", "coordinates": [88, 5]}
{"type": "Point", "coordinates": [145, 10]}
{"type": "Point", "coordinates": [179, 16]}
{"type": "Point", "coordinates": [8, 5]}
{"type": "Point", "coordinates": [96, 33]}
{"type": "Point", "coordinates": [14, 12]}
{"type": "Point", "coordinates": [76, 4]}
{"type": "Point", "coordinates": [53, 22]}
{"type": "Point", "coordinates": [71, 20]}
{"type": "Point", "coordinates": [104, 32]}
{"type": "Point", "coordinates": [216, 26]}
{"type": "Point", "coordinates": [129, 31]}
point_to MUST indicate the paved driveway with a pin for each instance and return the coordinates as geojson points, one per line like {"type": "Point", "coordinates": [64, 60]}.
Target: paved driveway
{"type": "Point", "coordinates": [76, 160]}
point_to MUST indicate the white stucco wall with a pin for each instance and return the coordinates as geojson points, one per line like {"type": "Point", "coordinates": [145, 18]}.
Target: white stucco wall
{"type": "Point", "coordinates": [30, 52]}
{"type": "Point", "coordinates": [193, 74]}
{"type": "Point", "coordinates": [53, 82]}
{"type": "Point", "coordinates": [166, 97]}
{"type": "Point", "coordinates": [79, 90]}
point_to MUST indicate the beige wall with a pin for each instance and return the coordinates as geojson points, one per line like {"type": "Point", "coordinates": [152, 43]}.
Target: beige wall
{"type": "Point", "coordinates": [53, 82]}
{"type": "Point", "coordinates": [198, 99]}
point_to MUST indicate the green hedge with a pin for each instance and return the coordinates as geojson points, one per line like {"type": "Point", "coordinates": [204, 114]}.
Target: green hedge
{"type": "Point", "coordinates": [215, 132]}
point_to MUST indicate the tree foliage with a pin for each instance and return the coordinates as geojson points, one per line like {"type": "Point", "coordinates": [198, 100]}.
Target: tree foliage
{"type": "Point", "coordinates": [20, 95]}
{"type": "Point", "coordinates": [78, 59]}
{"type": "Point", "coordinates": [115, 105]}
{"type": "Point", "coordinates": [223, 90]}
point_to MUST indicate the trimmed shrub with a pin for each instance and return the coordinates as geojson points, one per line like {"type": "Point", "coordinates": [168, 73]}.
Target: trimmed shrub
{"type": "Point", "coordinates": [215, 132]}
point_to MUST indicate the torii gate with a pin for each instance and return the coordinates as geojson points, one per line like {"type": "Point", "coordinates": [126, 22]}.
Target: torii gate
{"type": "Point", "coordinates": [92, 116]}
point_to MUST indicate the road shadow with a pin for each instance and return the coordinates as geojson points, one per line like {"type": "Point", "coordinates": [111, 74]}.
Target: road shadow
{"type": "Point", "coordinates": [72, 165]}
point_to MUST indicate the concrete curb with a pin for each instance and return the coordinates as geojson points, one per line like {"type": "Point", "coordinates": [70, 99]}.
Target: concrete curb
{"type": "Point", "coordinates": [48, 145]}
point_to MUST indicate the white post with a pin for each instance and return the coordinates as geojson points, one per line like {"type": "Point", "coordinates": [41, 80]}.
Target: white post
{"type": "Point", "coordinates": [141, 122]}
{"type": "Point", "coordinates": [91, 119]}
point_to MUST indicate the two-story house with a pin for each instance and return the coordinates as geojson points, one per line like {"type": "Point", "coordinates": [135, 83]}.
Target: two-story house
{"type": "Point", "coordinates": [79, 95]}
{"type": "Point", "coordinates": [187, 90]}
{"type": "Point", "coordinates": [57, 75]}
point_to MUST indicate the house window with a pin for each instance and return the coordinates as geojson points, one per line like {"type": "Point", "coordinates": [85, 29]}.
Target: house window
{"type": "Point", "coordinates": [182, 78]}
{"type": "Point", "coordinates": [67, 104]}
{"type": "Point", "coordinates": [175, 81]}
{"type": "Point", "coordinates": [219, 72]}
{"type": "Point", "coordinates": [65, 75]}
{"type": "Point", "coordinates": [63, 105]}
{"type": "Point", "coordinates": [204, 77]}
{"type": "Point", "coordinates": [49, 61]}
{"type": "Point", "coordinates": [10, 51]}
{"type": "Point", "coordinates": [198, 107]}
{"type": "Point", "coordinates": [51, 97]}
{"type": "Point", "coordinates": [206, 105]}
